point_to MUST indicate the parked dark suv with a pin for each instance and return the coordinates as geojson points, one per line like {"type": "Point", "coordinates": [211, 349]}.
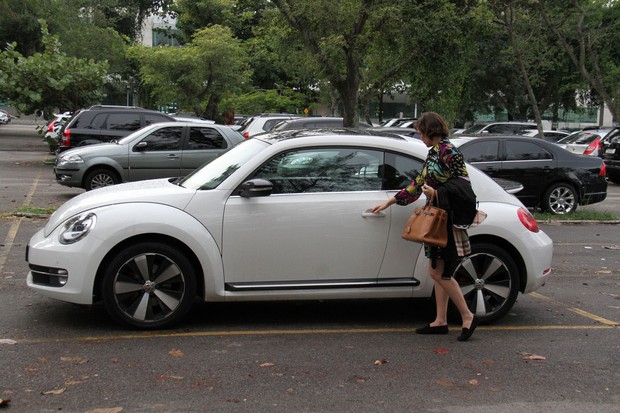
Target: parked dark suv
{"type": "Point", "coordinates": [103, 123]}
{"type": "Point", "coordinates": [610, 146]}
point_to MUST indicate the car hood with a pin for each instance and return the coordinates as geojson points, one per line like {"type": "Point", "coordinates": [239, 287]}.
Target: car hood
{"type": "Point", "coordinates": [159, 191]}
{"type": "Point", "coordinates": [92, 150]}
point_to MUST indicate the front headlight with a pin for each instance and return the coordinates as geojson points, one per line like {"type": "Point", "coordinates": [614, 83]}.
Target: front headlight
{"type": "Point", "coordinates": [69, 159]}
{"type": "Point", "coordinates": [77, 228]}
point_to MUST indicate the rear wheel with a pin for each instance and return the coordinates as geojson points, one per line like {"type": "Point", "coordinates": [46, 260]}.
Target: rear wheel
{"type": "Point", "coordinates": [489, 281]}
{"type": "Point", "coordinates": [149, 286]}
{"type": "Point", "coordinates": [100, 178]}
{"type": "Point", "coordinates": [560, 199]}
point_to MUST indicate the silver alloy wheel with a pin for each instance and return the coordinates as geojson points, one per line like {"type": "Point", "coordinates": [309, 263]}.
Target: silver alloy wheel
{"type": "Point", "coordinates": [149, 287]}
{"type": "Point", "coordinates": [488, 284]}
{"type": "Point", "coordinates": [101, 179]}
{"type": "Point", "coordinates": [561, 200]}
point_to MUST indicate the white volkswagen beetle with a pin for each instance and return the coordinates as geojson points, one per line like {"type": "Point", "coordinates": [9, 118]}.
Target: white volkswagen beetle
{"type": "Point", "coordinates": [283, 216]}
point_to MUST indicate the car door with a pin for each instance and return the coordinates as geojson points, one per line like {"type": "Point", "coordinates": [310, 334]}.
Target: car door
{"type": "Point", "coordinates": [530, 164]}
{"type": "Point", "coordinates": [203, 144]}
{"type": "Point", "coordinates": [156, 155]}
{"type": "Point", "coordinates": [316, 229]}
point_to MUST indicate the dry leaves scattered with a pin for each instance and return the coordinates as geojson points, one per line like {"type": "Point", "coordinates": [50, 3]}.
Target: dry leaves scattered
{"type": "Point", "coordinates": [176, 353]}
{"type": "Point", "coordinates": [380, 362]}
{"type": "Point", "coordinates": [530, 356]}
{"type": "Point", "coordinates": [441, 351]}
{"type": "Point", "coordinates": [7, 341]}
{"type": "Point", "coordinates": [106, 410]}
{"type": "Point", "coordinates": [55, 391]}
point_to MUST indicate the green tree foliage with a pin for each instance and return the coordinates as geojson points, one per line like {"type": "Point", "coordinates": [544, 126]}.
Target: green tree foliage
{"type": "Point", "coordinates": [588, 31]}
{"type": "Point", "coordinates": [50, 80]}
{"type": "Point", "coordinates": [197, 75]}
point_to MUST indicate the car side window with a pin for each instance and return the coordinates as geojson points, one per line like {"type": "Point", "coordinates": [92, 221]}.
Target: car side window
{"type": "Point", "coordinates": [150, 118]}
{"type": "Point", "coordinates": [487, 151]}
{"type": "Point", "coordinates": [398, 171]}
{"type": "Point", "coordinates": [97, 123]}
{"type": "Point", "coordinates": [124, 121]}
{"type": "Point", "coordinates": [525, 151]}
{"type": "Point", "coordinates": [164, 139]}
{"type": "Point", "coordinates": [323, 170]}
{"type": "Point", "coordinates": [205, 138]}
{"type": "Point", "coordinates": [499, 129]}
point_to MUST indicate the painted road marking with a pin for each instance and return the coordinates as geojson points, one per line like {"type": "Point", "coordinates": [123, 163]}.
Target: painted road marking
{"type": "Point", "coordinates": [577, 310]}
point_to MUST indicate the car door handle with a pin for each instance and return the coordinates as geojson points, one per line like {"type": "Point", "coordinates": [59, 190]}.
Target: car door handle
{"type": "Point", "coordinates": [369, 214]}
{"type": "Point", "coordinates": [172, 156]}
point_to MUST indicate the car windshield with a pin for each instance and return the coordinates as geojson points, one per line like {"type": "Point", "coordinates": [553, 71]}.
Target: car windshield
{"type": "Point", "coordinates": [130, 137]}
{"type": "Point", "coordinates": [473, 129]}
{"type": "Point", "coordinates": [209, 176]}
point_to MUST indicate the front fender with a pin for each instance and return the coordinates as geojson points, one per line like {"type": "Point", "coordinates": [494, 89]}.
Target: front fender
{"type": "Point", "coordinates": [136, 219]}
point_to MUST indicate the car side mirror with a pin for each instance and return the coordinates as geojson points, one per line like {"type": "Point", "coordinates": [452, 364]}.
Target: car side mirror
{"type": "Point", "coordinates": [255, 188]}
{"type": "Point", "coordinates": [140, 146]}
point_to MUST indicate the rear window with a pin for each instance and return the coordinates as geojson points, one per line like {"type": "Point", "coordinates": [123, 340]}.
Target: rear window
{"type": "Point", "coordinates": [583, 138]}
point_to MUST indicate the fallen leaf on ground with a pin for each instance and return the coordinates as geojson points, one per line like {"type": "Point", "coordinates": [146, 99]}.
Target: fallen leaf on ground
{"type": "Point", "coordinates": [267, 365]}
{"type": "Point", "coordinates": [176, 353]}
{"type": "Point", "coordinates": [441, 351]}
{"type": "Point", "coordinates": [473, 382]}
{"type": "Point", "coordinates": [106, 410]}
{"type": "Point", "coordinates": [55, 391]}
{"type": "Point", "coordinates": [4, 402]}
{"type": "Point", "coordinates": [168, 377]}
{"type": "Point", "coordinates": [445, 382]}
{"type": "Point", "coordinates": [77, 360]}
{"type": "Point", "coordinates": [612, 247]}
{"type": "Point", "coordinates": [602, 272]}
{"type": "Point", "coordinates": [380, 362]}
{"type": "Point", "coordinates": [530, 356]}
{"type": "Point", "coordinates": [7, 341]}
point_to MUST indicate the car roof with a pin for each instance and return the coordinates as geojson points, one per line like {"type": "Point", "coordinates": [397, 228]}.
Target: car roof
{"type": "Point", "coordinates": [277, 136]}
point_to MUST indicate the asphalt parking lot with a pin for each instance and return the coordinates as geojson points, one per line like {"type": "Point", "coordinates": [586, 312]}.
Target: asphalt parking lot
{"type": "Point", "coordinates": [557, 350]}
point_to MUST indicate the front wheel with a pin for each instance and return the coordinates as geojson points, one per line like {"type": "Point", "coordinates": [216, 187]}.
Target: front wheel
{"type": "Point", "coordinates": [560, 199]}
{"type": "Point", "coordinates": [149, 286]}
{"type": "Point", "coordinates": [489, 281]}
{"type": "Point", "coordinates": [100, 178]}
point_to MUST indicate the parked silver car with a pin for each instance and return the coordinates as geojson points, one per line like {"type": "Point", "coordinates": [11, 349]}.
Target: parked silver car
{"type": "Point", "coordinates": [160, 150]}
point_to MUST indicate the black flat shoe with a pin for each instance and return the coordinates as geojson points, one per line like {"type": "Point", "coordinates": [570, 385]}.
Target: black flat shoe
{"type": "Point", "coordinates": [427, 329]}
{"type": "Point", "coordinates": [467, 332]}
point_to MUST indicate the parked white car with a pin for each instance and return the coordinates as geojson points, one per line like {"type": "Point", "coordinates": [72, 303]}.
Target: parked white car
{"type": "Point", "coordinates": [282, 216]}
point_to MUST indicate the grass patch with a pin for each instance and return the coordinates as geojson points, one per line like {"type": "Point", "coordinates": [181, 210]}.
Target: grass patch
{"type": "Point", "coordinates": [34, 210]}
{"type": "Point", "coordinates": [581, 215]}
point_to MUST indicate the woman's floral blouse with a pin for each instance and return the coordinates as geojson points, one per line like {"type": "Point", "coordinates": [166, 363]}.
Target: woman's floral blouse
{"type": "Point", "coordinates": [433, 174]}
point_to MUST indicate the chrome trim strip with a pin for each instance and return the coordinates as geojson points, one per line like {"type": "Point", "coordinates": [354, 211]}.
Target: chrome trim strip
{"type": "Point", "coordinates": [326, 284]}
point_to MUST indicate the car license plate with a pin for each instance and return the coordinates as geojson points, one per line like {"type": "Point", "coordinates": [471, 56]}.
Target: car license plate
{"type": "Point", "coordinates": [611, 150]}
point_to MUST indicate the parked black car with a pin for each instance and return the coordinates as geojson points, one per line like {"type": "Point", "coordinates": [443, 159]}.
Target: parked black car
{"type": "Point", "coordinates": [102, 123]}
{"type": "Point", "coordinates": [553, 179]}
{"type": "Point", "coordinates": [611, 154]}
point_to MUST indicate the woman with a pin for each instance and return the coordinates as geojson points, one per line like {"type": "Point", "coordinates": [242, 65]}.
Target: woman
{"type": "Point", "coordinates": [443, 162]}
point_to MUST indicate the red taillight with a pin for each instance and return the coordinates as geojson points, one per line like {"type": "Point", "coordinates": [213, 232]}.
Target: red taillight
{"type": "Point", "coordinates": [66, 138]}
{"type": "Point", "coordinates": [246, 135]}
{"type": "Point", "coordinates": [527, 220]}
{"type": "Point", "coordinates": [595, 144]}
{"type": "Point", "coordinates": [603, 171]}
{"type": "Point", "coordinates": [50, 127]}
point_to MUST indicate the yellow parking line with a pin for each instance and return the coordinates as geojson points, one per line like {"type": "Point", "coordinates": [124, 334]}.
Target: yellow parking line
{"type": "Point", "coordinates": [10, 237]}
{"type": "Point", "coordinates": [577, 310]}
{"type": "Point", "coordinates": [293, 332]}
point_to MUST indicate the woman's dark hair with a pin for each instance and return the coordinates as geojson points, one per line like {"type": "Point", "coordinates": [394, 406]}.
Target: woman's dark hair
{"type": "Point", "coordinates": [432, 124]}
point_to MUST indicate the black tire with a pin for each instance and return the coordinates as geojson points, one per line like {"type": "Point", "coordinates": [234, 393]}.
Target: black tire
{"type": "Point", "coordinates": [560, 199]}
{"type": "Point", "coordinates": [99, 178]}
{"type": "Point", "coordinates": [149, 286]}
{"type": "Point", "coordinates": [489, 281]}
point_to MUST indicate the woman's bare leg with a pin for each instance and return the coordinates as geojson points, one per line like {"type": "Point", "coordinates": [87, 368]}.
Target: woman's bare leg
{"type": "Point", "coordinates": [448, 289]}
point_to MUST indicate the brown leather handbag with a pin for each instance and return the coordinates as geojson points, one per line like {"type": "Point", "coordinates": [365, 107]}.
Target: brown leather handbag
{"type": "Point", "coordinates": [428, 225]}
